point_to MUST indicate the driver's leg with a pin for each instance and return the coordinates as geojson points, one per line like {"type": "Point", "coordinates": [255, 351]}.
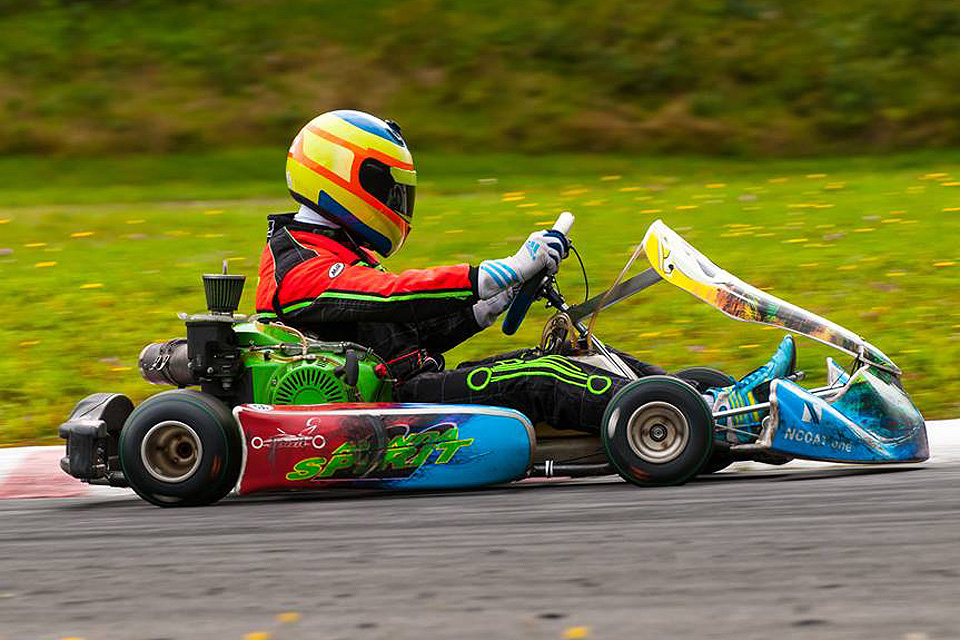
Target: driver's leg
{"type": "Point", "coordinates": [561, 392]}
{"type": "Point", "coordinates": [640, 368]}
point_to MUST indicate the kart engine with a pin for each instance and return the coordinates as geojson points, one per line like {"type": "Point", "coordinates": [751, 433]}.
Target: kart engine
{"type": "Point", "coordinates": [306, 383]}
{"type": "Point", "coordinates": [212, 357]}
{"type": "Point", "coordinates": [294, 382]}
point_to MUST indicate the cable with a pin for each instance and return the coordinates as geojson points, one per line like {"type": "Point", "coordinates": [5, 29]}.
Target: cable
{"type": "Point", "coordinates": [583, 269]}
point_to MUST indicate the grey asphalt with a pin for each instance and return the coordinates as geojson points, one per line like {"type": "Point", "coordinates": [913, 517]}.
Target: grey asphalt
{"type": "Point", "coordinates": [784, 554]}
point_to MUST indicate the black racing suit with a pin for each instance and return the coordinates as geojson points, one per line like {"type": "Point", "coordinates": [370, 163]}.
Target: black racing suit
{"type": "Point", "coordinates": [318, 280]}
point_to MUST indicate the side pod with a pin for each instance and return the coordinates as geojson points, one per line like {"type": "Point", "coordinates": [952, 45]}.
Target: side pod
{"type": "Point", "coordinates": [382, 446]}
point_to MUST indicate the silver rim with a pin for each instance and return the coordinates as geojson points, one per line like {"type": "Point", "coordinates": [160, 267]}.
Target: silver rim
{"type": "Point", "coordinates": [658, 432]}
{"type": "Point", "coordinates": [171, 451]}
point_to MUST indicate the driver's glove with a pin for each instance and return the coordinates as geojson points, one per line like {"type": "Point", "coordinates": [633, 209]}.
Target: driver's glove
{"type": "Point", "coordinates": [542, 250]}
{"type": "Point", "coordinates": [485, 312]}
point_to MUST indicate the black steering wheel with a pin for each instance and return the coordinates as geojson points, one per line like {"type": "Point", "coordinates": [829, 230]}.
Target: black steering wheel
{"type": "Point", "coordinates": [529, 292]}
{"type": "Point", "coordinates": [533, 287]}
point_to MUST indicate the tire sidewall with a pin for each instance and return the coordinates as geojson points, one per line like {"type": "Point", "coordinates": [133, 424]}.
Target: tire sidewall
{"type": "Point", "coordinates": [215, 427]}
{"type": "Point", "coordinates": [681, 395]}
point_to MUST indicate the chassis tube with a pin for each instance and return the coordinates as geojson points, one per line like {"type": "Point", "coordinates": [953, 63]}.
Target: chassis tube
{"type": "Point", "coordinates": [820, 391]}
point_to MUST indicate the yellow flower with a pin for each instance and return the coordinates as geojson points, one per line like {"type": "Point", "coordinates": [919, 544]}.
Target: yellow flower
{"type": "Point", "coordinates": [288, 617]}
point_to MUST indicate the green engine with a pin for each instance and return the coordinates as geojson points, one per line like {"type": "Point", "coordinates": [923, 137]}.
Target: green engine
{"type": "Point", "coordinates": [306, 384]}
{"type": "Point", "coordinates": [282, 372]}
{"type": "Point", "coordinates": [241, 360]}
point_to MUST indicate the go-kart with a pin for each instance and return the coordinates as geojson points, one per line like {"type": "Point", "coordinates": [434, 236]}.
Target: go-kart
{"type": "Point", "coordinates": [278, 409]}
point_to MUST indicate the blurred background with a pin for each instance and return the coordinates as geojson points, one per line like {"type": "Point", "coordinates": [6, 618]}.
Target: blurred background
{"type": "Point", "coordinates": [810, 148]}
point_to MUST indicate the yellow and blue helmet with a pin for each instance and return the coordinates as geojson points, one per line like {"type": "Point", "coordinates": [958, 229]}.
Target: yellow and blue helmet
{"type": "Point", "coordinates": [356, 170]}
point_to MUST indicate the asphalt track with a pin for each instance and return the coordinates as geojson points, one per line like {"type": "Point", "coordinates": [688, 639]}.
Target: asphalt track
{"type": "Point", "coordinates": [790, 553]}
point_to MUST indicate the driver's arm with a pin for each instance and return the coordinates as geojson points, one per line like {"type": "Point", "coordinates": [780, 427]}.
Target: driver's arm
{"type": "Point", "coordinates": [323, 290]}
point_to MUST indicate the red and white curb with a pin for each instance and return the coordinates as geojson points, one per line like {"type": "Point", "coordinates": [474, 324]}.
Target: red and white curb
{"type": "Point", "coordinates": [34, 472]}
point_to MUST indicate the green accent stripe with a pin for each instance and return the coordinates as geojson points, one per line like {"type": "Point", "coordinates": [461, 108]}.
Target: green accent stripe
{"type": "Point", "coordinates": [530, 373]}
{"type": "Point", "coordinates": [557, 363]}
{"type": "Point", "coordinates": [372, 298]}
{"type": "Point", "coordinates": [552, 366]}
{"type": "Point", "coordinates": [299, 305]}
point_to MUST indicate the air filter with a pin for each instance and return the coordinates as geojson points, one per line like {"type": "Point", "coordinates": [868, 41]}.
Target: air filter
{"type": "Point", "coordinates": [223, 292]}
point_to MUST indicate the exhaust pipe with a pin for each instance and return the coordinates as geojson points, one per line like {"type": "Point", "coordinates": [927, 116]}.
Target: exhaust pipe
{"type": "Point", "coordinates": [167, 363]}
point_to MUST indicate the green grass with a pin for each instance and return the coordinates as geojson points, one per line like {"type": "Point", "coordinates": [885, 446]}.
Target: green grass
{"type": "Point", "coordinates": [98, 256]}
{"type": "Point", "coordinates": [703, 76]}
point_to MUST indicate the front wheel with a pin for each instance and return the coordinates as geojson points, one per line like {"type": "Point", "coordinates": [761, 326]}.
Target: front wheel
{"type": "Point", "coordinates": [657, 431]}
{"type": "Point", "coordinates": [180, 449]}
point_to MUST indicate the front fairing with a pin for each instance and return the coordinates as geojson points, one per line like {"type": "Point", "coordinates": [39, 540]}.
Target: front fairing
{"type": "Point", "coordinates": [869, 420]}
{"type": "Point", "coordinates": [683, 266]}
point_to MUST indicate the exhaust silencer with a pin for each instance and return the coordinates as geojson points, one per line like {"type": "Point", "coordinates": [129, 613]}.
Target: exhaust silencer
{"type": "Point", "coordinates": [167, 363]}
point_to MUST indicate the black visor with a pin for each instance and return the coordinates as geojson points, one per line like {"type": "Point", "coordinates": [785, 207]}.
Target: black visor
{"type": "Point", "coordinates": [378, 181]}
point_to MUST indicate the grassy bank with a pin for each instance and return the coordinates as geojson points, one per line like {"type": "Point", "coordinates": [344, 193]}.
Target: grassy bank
{"type": "Point", "coordinates": [717, 76]}
{"type": "Point", "coordinates": [98, 256]}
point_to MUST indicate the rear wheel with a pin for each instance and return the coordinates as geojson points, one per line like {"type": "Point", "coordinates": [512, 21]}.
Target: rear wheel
{"type": "Point", "coordinates": [704, 378]}
{"type": "Point", "coordinates": [181, 448]}
{"type": "Point", "coordinates": [657, 431]}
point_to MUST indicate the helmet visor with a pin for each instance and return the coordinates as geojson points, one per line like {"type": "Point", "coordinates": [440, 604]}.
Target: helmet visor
{"type": "Point", "coordinates": [392, 186]}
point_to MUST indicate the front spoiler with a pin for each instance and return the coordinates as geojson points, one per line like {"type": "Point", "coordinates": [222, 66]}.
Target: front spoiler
{"type": "Point", "coordinates": [869, 420]}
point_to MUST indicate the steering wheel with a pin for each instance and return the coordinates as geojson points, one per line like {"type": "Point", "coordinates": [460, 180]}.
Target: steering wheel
{"type": "Point", "coordinates": [532, 287]}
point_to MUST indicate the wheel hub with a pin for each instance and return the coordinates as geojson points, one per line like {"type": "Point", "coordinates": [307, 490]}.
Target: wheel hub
{"type": "Point", "coordinates": [171, 451]}
{"type": "Point", "coordinates": [658, 432]}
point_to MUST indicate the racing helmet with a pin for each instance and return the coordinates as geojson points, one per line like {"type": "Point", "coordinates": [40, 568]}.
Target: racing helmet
{"type": "Point", "coordinates": [355, 170]}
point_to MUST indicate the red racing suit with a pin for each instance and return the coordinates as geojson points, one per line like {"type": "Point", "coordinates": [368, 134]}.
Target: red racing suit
{"type": "Point", "coordinates": [317, 279]}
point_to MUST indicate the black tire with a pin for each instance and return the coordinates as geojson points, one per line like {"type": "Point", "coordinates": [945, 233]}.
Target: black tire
{"type": "Point", "coordinates": [180, 423]}
{"type": "Point", "coordinates": [704, 378]}
{"type": "Point", "coordinates": [636, 418]}
{"type": "Point", "coordinates": [719, 460]}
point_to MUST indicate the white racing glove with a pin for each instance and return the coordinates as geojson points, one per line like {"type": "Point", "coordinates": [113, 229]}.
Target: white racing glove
{"type": "Point", "coordinates": [542, 250]}
{"type": "Point", "coordinates": [485, 312]}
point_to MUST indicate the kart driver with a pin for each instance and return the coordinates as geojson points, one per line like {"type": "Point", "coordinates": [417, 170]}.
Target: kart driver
{"type": "Point", "coordinates": [353, 177]}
